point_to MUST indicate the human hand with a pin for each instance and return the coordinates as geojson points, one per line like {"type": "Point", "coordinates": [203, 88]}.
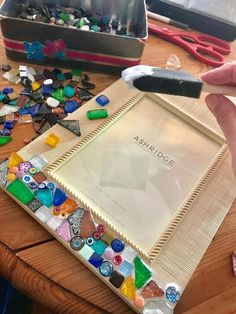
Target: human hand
{"type": "Point", "coordinates": [222, 108]}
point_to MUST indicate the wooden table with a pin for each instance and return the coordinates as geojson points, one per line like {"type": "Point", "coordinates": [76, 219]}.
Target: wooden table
{"type": "Point", "coordinates": [40, 267]}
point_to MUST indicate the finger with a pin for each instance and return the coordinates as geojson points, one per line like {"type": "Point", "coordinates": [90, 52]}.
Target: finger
{"type": "Point", "coordinates": [226, 74]}
{"type": "Point", "coordinates": [225, 113]}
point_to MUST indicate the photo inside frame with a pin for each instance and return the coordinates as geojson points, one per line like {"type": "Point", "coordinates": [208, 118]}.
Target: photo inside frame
{"type": "Point", "coordinates": [137, 172]}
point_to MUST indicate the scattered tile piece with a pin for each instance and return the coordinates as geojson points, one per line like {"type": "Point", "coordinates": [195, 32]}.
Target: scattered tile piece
{"type": "Point", "coordinates": [52, 140]}
{"type": "Point", "coordinates": [4, 140]}
{"type": "Point", "coordinates": [71, 125]}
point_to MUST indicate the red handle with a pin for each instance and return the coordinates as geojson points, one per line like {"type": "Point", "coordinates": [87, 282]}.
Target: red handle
{"type": "Point", "coordinates": [203, 47]}
{"type": "Point", "coordinates": [215, 43]}
{"type": "Point", "coordinates": [208, 56]}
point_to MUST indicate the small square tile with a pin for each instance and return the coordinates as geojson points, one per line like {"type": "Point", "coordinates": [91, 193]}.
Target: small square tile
{"type": "Point", "coordinates": [23, 68]}
{"type": "Point", "coordinates": [102, 100]}
{"type": "Point", "coordinates": [54, 222]}
{"type": "Point", "coordinates": [99, 247]}
{"type": "Point", "coordinates": [116, 279]}
{"type": "Point", "coordinates": [126, 268]}
{"type": "Point", "coordinates": [129, 254]}
{"type": "Point", "coordinates": [34, 204]}
{"type": "Point", "coordinates": [107, 237]}
{"type": "Point", "coordinates": [96, 260]}
{"type": "Point", "coordinates": [39, 177]}
{"type": "Point", "coordinates": [86, 252]}
{"type": "Point", "coordinates": [44, 214]}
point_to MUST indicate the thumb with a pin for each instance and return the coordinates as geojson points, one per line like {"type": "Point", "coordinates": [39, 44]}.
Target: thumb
{"type": "Point", "coordinates": [225, 113]}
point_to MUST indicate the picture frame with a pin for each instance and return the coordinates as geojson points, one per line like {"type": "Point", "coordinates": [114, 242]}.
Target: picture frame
{"type": "Point", "coordinates": [148, 152]}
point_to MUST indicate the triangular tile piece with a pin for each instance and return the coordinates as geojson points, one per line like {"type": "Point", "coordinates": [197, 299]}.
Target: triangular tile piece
{"type": "Point", "coordinates": [51, 118]}
{"type": "Point", "coordinates": [44, 109]}
{"type": "Point", "coordinates": [142, 273]}
{"type": "Point", "coordinates": [152, 290]}
{"type": "Point", "coordinates": [14, 160]}
{"type": "Point", "coordinates": [87, 227]}
{"type": "Point", "coordinates": [71, 125]}
{"type": "Point", "coordinates": [44, 127]}
{"type": "Point", "coordinates": [128, 288]}
{"type": "Point", "coordinates": [34, 110]}
{"type": "Point", "coordinates": [87, 85]}
{"type": "Point", "coordinates": [84, 94]}
{"type": "Point", "coordinates": [3, 172]}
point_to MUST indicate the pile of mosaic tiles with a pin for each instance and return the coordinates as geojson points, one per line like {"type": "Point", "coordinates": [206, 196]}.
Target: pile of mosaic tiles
{"type": "Point", "coordinates": [74, 18]}
{"type": "Point", "coordinates": [47, 98]}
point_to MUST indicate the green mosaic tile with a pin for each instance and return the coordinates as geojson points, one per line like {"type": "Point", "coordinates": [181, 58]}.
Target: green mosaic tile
{"type": "Point", "coordinates": [18, 189]}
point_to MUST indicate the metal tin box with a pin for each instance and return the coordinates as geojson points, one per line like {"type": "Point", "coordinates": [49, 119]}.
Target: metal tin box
{"type": "Point", "coordinates": [38, 42]}
{"type": "Point", "coordinates": [213, 17]}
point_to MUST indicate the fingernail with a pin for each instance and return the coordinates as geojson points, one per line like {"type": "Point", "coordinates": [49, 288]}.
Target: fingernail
{"type": "Point", "coordinates": [202, 77]}
{"type": "Point", "coordinates": [212, 102]}
{"type": "Point", "coordinates": [208, 74]}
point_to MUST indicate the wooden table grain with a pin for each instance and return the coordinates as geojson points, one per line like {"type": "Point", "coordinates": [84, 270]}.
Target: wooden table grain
{"type": "Point", "coordinates": [40, 267]}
